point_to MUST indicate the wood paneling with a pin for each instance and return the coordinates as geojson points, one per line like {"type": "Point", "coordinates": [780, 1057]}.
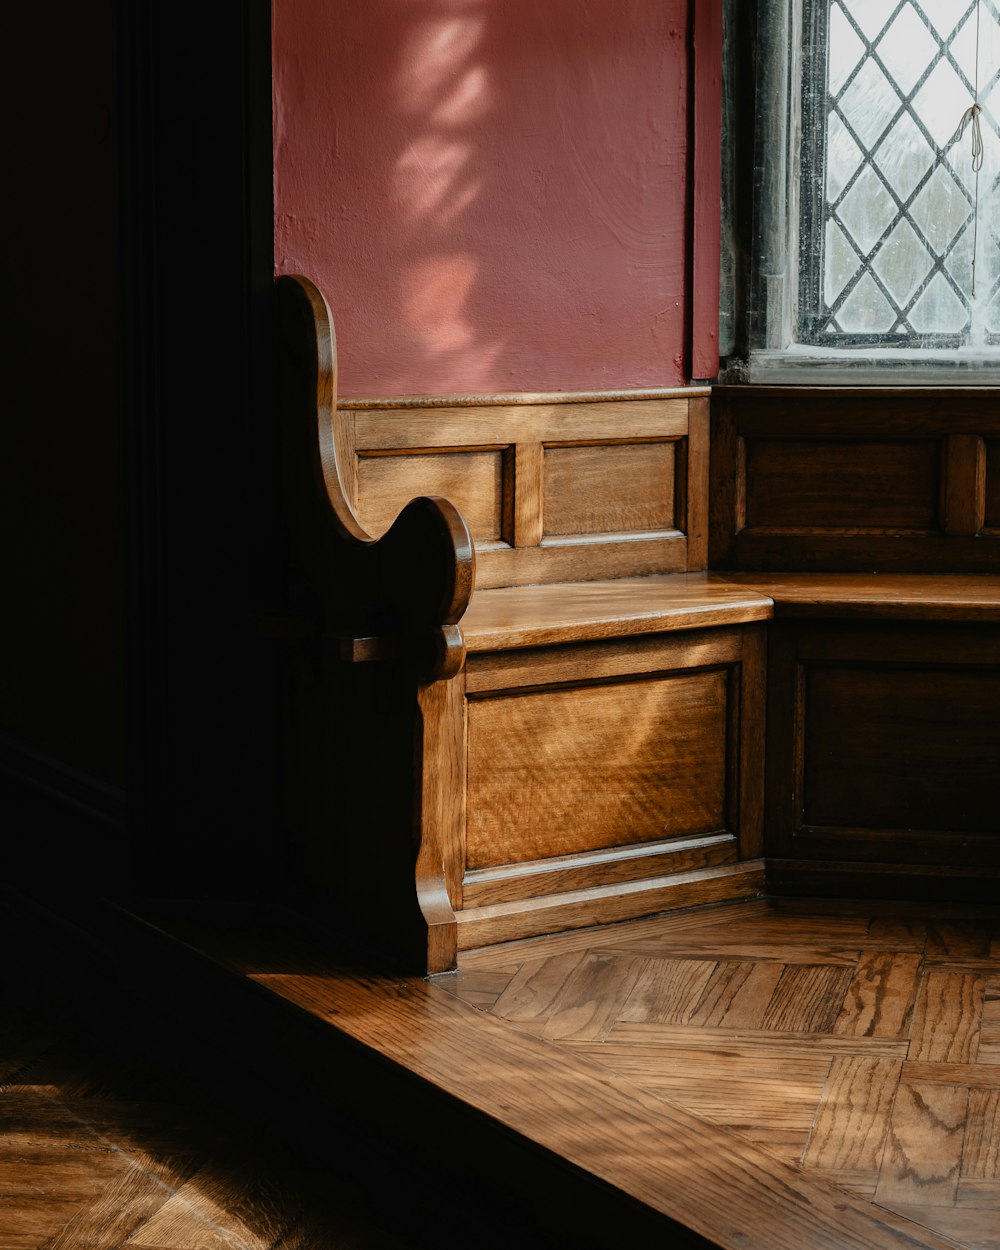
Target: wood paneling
{"type": "Point", "coordinates": [992, 486]}
{"type": "Point", "coordinates": [576, 769]}
{"type": "Point", "coordinates": [818, 484]}
{"type": "Point", "coordinates": [583, 491]}
{"type": "Point", "coordinates": [883, 749]}
{"type": "Point", "coordinates": [609, 489]}
{"type": "Point", "coordinates": [472, 481]}
{"type": "Point", "coordinates": [901, 748]}
{"type": "Point", "coordinates": [848, 479]}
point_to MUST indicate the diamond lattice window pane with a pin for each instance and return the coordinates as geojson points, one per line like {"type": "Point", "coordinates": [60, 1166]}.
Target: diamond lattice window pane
{"type": "Point", "coordinates": [902, 263]}
{"type": "Point", "coordinates": [842, 262]}
{"type": "Point", "coordinates": [941, 209]}
{"type": "Point", "coordinates": [963, 48]}
{"type": "Point", "coordinates": [938, 310]}
{"type": "Point", "coordinates": [943, 14]}
{"type": "Point", "coordinates": [866, 310]}
{"type": "Point", "coordinates": [959, 259]}
{"type": "Point", "coordinates": [907, 48]}
{"type": "Point", "coordinates": [846, 49]}
{"type": "Point", "coordinates": [872, 15]}
{"type": "Point", "coordinates": [993, 315]}
{"type": "Point", "coordinates": [869, 103]}
{"type": "Point", "coordinates": [941, 101]}
{"type": "Point", "coordinates": [843, 157]}
{"type": "Point", "coordinates": [904, 156]}
{"type": "Point", "coordinates": [867, 210]}
{"type": "Point", "coordinates": [892, 212]}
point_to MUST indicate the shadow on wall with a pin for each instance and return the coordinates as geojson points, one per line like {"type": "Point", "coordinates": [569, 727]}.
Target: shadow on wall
{"type": "Point", "coordinates": [491, 193]}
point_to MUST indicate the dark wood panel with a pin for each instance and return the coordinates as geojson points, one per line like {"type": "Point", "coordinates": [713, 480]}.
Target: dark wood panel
{"type": "Point", "coordinates": [797, 483]}
{"type": "Point", "coordinates": [801, 477]}
{"type": "Point", "coordinates": [569, 770]}
{"type": "Point", "coordinates": [901, 748]}
{"type": "Point", "coordinates": [992, 518]}
{"type": "Point", "coordinates": [609, 489]}
{"type": "Point", "coordinates": [883, 750]}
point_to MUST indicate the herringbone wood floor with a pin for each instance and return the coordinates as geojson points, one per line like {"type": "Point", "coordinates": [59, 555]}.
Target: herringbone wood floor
{"type": "Point", "coordinates": [865, 1047]}
{"type": "Point", "coordinates": [95, 1155]}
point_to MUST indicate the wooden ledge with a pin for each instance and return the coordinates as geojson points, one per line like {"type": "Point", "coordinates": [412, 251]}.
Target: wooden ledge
{"type": "Point", "coordinates": [894, 596]}
{"type": "Point", "coordinates": [535, 616]}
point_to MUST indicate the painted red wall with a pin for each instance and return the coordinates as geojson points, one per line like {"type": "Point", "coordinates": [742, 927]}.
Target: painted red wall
{"type": "Point", "coordinates": [491, 193]}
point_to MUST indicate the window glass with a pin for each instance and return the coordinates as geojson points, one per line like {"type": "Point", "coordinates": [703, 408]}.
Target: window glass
{"type": "Point", "coordinates": [899, 226]}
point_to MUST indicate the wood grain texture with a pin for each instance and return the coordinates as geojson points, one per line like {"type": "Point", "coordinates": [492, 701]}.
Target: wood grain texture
{"type": "Point", "coordinates": [633, 1140]}
{"type": "Point", "coordinates": [595, 489]}
{"type": "Point", "coordinates": [965, 484]}
{"type": "Point", "coordinates": [380, 429]}
{"type": "Point", "coordinates": [799, 517]}
{"type": "Point", "coordinates": [888, 596]}
{"type": "Point", "coordinates": [821, 485]}
{"type": "Point", "coordinates": [581, 871]}
{"type": "Point", "coordinates": [604, 905]}
{"type": "Point", "coordinates": [991, 489]}
{"type": "Point", "coordinates": [529, 469]}
{"type": "Point", "coordinates": [471, 480]}
{"type": "Point", "coordinates": [694, 484]}
{"type": "Point", "coordinates": [441, 818]}
{"type": "Point", "coordinates": [623, 607]}
{"type": "Point", "coordinates": [608, 765]}
{"type": "Point", "coordinates": [841, 1088]}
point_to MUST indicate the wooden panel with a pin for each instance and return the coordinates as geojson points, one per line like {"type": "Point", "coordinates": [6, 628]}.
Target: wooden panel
{"type": "Point", "coordinates": [840, 484]}
{"type": "Point", "coordinates": [592, 558]}
{"type": "Point", "coordinates": [992, 487]}
{"type": "Point", "coordinates": [901, 748]}
{"type": "Point", "coordinates": [472, 481]}
{"type": "Point", "coordinates": [609, 489]}
{"type": "Point", "coordinates": [397, 429]}
{"type": "Point", "coordinates": [592, 661]}
{"type": "Point", "coordinates": [758, 499]}
{"type": "Point", "coordinates": [576, 769]}
{"type": "Point", "coordinates": [965, 484]}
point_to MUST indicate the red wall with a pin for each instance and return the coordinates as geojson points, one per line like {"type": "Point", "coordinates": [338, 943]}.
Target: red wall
{"type": "Point", "coordinates": [491, 193]}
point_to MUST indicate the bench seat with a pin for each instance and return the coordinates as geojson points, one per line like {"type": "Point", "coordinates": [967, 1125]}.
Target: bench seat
{"type": "Point", "coordinates": [877, 596]}
{"type": "Point", "coordinates": [568, 612]}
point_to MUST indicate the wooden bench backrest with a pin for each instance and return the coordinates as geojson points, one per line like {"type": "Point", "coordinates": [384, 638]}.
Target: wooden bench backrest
{"type": "Point", "coordinates": [554, 488]}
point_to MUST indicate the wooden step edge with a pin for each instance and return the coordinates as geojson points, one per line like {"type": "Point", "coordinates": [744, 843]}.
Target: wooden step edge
{"type": "Point", "coordinates": [606, 904]}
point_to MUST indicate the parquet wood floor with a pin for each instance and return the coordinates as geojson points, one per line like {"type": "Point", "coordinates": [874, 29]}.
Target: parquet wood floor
{"type": "Point", "coordinates": [95, 1155]}
{"type": "Point", "coordinates": [865, 1048]}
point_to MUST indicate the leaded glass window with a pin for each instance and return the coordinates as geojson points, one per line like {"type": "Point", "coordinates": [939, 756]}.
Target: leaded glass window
{"type": "Point", "coordinates": [894, 211]}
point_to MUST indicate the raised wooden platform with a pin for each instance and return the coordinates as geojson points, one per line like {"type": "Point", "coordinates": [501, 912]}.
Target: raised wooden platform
{"type": "Point", "coordinates": [752, 1079]}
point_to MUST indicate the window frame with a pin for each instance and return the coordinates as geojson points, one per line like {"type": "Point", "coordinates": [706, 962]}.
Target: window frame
{"type": "Point", "coordinates": [772, 143]}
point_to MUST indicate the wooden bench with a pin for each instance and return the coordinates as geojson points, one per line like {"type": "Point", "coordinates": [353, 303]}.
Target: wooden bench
{"type": "Point", "coordinates": [588, 726]}
{"type": "Point", "coordinates": [588, 730]}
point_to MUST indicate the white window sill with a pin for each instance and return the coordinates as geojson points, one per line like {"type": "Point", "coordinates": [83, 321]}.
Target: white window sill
{"type": "Point", "coordinates": [900, 366]}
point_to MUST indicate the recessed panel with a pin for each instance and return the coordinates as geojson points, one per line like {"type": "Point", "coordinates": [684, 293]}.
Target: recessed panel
{"type": "Point", "coordinates": [560, 771]}
{"type": "Point", "coordinates": [902, 748]}
{"type": "Point", "coordinates": [609, 489]}
{"type": "Point", "coordinates": [825, 484]}
{"type": "Point", "coordinates": [471, 480]}
{"type": "Point", "coordinates": [993, 485]}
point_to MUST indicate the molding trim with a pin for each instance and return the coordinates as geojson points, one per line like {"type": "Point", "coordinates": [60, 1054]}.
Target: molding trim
{"type": "Point", "coordinates": [63, 784]}
{"type": "Point", "coordinates": [526, 398]}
